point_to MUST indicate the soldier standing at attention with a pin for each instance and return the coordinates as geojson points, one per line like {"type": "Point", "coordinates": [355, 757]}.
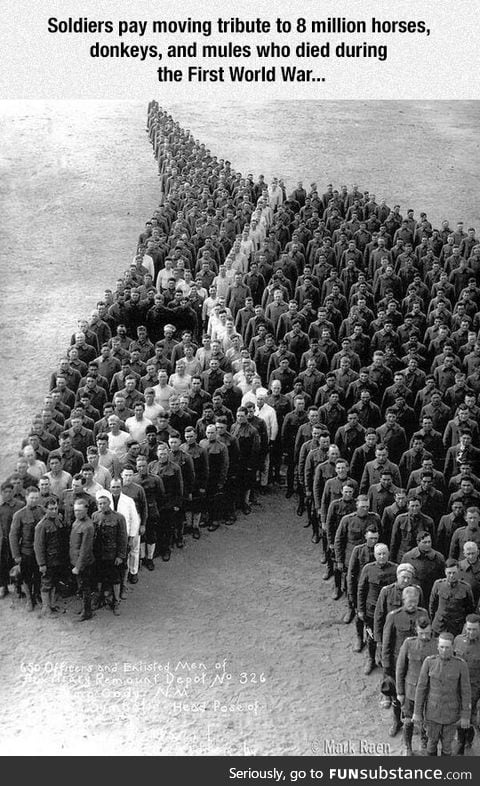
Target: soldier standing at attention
{"type": "Point", "coordinates": [443, 697]}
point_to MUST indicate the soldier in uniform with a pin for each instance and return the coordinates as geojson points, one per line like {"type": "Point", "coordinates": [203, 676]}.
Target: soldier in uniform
{"type": "Point", "coordinates": [291, 424]}
{"type": "Point", "coordinates": [351, 532]}
{"type": "Point", "coordinates": [467, 646]}
{"type": "Point", "coordinates": [451, 600]}
{"type": "Point", "coordinates": [199, 458]}
{"type": "Point", "coordinates": [8, 508]}
{"type": "Point", "coordinates": [171, 476]}
{"type": "Point", "coordinates": [154, 493]}
{"type": "Point", "coordinates": [362, 555]}
{"type": "Point", "coordinates": [50, 546]}
{"type": "Point", "coordinates": [374, 576]}
{"type": "Point", "coordinates": [412, 653]}
{"type": "Point", "coordinates": [399, 625]}
{"type": "Point", "coordinates": [21, 544]}
{"type": "Point", "coordinates": [337, 509]}
{"type": "Point", "coordinates": [217, 453]}
{"type": "Point", "coordinates": [443, 696]}
{"type": "Point", "coordinates": [81, 555]}
{"type": "Point", "coordinates": [110, 549]}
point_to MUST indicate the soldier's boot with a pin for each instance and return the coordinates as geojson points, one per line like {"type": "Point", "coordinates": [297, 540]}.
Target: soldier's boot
{"type": "Point", "coordinates": [469, 737]}
{"type": "Point", "coordinates": [337, 580]}
{"type": "Point", "coordinates": [316, 533]}
{"type": "Point", "coordinates": [123, 584]}
{"type": "Point", "coordinates": [397, 721]}
{"type": "Point", "coordinates": [407, 738]}
{"type": "Point", "coordinates": [301, 501]}
{"type": "Point", "coordinates": [53, 597]}
{"type": "Point", "coordinates": [423, 738]}
{"type": "Point", "coordinates": [87, 607]}
{"type": "Point", "coordinates": [371, 649]}
{"type": "Point", "coordinates": [46, 609]}
{"type": "Point", "coordinates": [349, 614]}
{"type": "Point", "coordinates": [459, 749]}
{"type": "Point", "coordinates": [329, 571]}
{"type": "Point", "coordinates": [116, 600]}
{"type": "Point", "coordinates": [359, 643]}
{"type": "Point", "coordinates": [324, 559]}
{"type": "Point", "coordinates": [29, 595]}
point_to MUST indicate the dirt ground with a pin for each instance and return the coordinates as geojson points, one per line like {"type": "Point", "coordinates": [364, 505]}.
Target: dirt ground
{"type": "Point", "coordinates": [234, 647]}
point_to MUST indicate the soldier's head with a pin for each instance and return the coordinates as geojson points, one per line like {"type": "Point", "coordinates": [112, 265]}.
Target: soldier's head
{"type": "Point", "coordinates": [445, 645]}
{"type": "Point", "coordinates": [371, 536]}
{"type": "Point", "coordinates": [424, 542]}
{"type": "Point", "coordinates": [362, 505]}
{"type": "Point", "coordinates": [103, 504]}
{"type": "Point", "coordinates": [472, 627]}
{"type": "Point", "coordinates": [410, 598]}
{"type": "Point", "coordinates": [424, 629]}
{"type": "Point", "coordinates": [80, 509]}
{"type": "Point", "coordinates": [470, 551]}
{"type": "Point", "coordinates": [451, 572]}
{"type": "Point", "coordinates": [473, 517]}
{"type": "Point", "coordinates": [405, 573]}
{"type": "Point", "coordinates": [380, 552]}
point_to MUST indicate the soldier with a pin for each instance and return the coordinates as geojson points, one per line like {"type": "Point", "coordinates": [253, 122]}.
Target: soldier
{"type": "Point", "coordinates": [373, 578]}
{"type": "Point", "coordinates": [291, 424]}
{"type": "Point", "coordinates": [451, 600]}
{"type": "Point", "coordinates": [390, 598]}
{"type": "Point", "coordinates": [154, 493]}
{"type": "Point", "coordinates": [362, 555]}
{"type": "Point", "coordinates": [185, 462]}
{"type": "Point", "coordinates": [21, 544]}
{"type": "Point", "coordinates": [412, 653]}
{"type": "Point", "coordinates": [399, 624]}
{"type": "Point", "coordinates": [81, 556]}
{"type": "Point", "coordinates": [442, 696]}
{"type": "Point", "coordinates": [171, 476]}
{"type": "Point", "coordinates": [429, 564]}
{"type": "Point", "coordinates": [470, 568]}
{"type": "Point", "coordinates": [199, 458]}
{"type": "Point", "coordinates": [8, 508]}
{"type": "Point", "coordinates": [110, 550]}
{"type": "Point", "coordinates": [467, 646]}
{"type": "Point", "coordinates": [50, 546]}
{"type": "Point", "coordinates": [217, 456]}
{"type": "Point", "coordinates": [248, 445]}
{"type": "Point", "coordinates": [406, 528]}
{"type": "Point", "coordinates": [350, 533]}
{"type": "Point", "coordinates": [337, 509]}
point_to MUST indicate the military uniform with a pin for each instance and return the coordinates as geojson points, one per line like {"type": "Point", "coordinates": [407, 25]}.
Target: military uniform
{"type": "Point", "coordinates": [449, 605]}
{"type": "Point", "coordinates": [409, 662]}
{"type": "Point", "coordinates": [442, 698]}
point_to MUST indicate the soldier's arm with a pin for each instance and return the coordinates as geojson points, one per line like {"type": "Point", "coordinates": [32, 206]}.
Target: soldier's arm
{"type": "Point", "coordinates": [362, 592]}
{"type": "Point", "coordinates": [39, 546]}
{"type": "Point", "coordinates": [421, 691]}
{"type": "Point", "coordinates": [353, 572]}
{"type": "Point", "coordinates": [379, 616]}
{"type": "Point", "coordinates": [14, 538]}
{"type": "Point", "coordinates": [402, 668]}
{"type": "Point", "coordinates": [465, 695]}
{"type": "Point", "coordinates": [388, 645]}
{"type": "Point", "coordinates": [433, 605]}
{"type": "Point", "coordinates": [339, 544]}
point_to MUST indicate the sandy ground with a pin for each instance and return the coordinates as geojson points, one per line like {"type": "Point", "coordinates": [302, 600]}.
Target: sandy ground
{"type": "Point", "coordinates": [242, 613]}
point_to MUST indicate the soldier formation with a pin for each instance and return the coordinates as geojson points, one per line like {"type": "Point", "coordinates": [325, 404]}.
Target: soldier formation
{"type": "Point", "coordinates": [323, 341]}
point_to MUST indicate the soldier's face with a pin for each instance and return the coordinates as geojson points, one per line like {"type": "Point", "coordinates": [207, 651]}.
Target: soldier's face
{"type": "Point", "coordinates": [445, 648]}
{"type": "Point", "coordinates": [424, 634]}
{"type": "Point", "coordinates": [472, 630]}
